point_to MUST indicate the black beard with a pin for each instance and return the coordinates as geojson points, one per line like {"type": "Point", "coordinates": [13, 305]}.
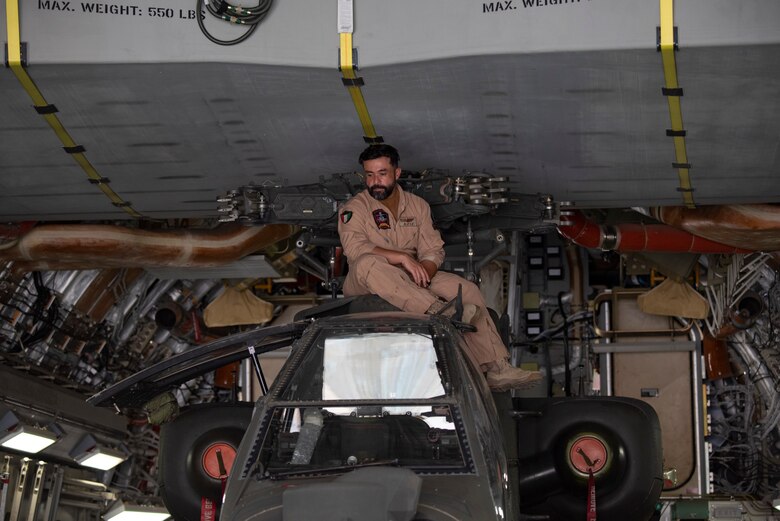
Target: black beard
{"type": "Point", "coordinates": [380, 193]}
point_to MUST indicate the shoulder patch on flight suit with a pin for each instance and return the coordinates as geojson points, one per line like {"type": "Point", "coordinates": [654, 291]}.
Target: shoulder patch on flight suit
{"type": "Point", "coordinates": [381, 219]}
{"type": "Point", "coordinates": [346, 216]}
{"type": "Point", "coordinates": [407, 222]}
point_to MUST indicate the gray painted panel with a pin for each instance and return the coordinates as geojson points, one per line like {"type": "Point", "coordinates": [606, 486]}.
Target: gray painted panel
{"type": "Point", "coordinates": [304, 33]}
{"type": "Point", "coordinates": [586, 126]}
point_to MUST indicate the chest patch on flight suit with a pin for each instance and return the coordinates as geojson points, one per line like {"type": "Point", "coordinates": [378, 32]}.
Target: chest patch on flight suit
{"type": "Point", "coordinates": [407, 222]}
{"type": "Point", "coordinates": [381, 219]}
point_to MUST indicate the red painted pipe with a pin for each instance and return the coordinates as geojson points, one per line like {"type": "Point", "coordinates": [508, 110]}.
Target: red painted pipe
{"type": "Point", "coordinates": [636, 237]}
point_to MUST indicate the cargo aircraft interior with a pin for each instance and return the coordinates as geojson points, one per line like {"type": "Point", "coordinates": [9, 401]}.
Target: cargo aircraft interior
{"type": "Point", "coordinates": [171, 174]}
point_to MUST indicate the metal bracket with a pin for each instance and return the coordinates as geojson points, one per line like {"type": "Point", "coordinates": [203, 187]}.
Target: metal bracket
{"type": "Point", "coordinates": [22, 51]}
{"type": "Point", "coordinates": [258, 370]}
{"type": "Point", "coordinates": [354, 59]}
{"type": "Point", "coordinates": [658, 39]}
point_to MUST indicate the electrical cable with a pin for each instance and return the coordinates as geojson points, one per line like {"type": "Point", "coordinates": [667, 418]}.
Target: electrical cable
{"type": "Point", "coordinates": [251, 16]}
{"type": "Point", "coordinates": [566, 351]}
{"type": "Point", "coordinates": [548, 333]}
{"type": "Point", "coordinates": [548, 370]}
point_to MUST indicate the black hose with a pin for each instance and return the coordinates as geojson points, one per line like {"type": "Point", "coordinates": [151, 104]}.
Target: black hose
{"type": "Point", "coordinates": [566, 353]}
{"type": "Point", "coordinates": [251, 16]}
{"type": "Point", "coordinates": [548, 370]}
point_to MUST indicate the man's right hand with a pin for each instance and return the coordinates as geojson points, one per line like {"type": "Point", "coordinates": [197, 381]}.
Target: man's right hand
{"type": "Point", "coordinates": [415, 270]}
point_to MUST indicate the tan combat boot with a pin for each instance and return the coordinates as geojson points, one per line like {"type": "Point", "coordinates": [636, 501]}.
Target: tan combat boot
{"type": "Point", "coordinates": [502, 376]}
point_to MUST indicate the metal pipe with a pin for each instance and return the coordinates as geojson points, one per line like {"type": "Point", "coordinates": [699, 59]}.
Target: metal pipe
{"type": "Point", "coordinates": [750, 226]}
{"type": "Point", "coordinates": [129, 299]}
{"type": "Point", "coordinates": [72, 293]}
{"type": "Point", "coordinates": [490, 257]}
{"type": "Point", "coordinates": [757, 370]}
{"type": "Point", "coordinates": [636, 237]}
{"type": "Point", "coordinates": [89, 246]}
{"type": "Point", "coordinates": [513, 300]}
{"type": "Point", "coordinates": [313, 263]}
{"type": "Point", "coordinates": [247, 381]}
{"type": "Point", "coordinates": [86, 483]}
{"type": "Point", "coordinates": [606, 372]}
{"type": "Point", "coordinates": [645, 347]}
{"type": "Point", "coordinates": [159, 290]}
{"type": "Point", "coordinates": [62, 281]}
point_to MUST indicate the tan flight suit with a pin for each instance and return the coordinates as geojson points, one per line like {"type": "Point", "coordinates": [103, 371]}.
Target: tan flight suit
{"type": "Point", "coordinates": [365, 223]}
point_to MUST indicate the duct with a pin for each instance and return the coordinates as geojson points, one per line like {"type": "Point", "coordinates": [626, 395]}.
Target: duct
{"type": "Point", "coordinates": [742, 315]}
{"type": "Point", "coordinates": [81, 282]}
{"type": "Point", "coordinates": [51, 279]}
{"type": "Point", "coordinates": [200, 290]}
{"type": "Point", "coordinates": [170, 305]}
{"type": "Point", "coordinates": [148, 303]}
{"type": "Point", "coordinates": [161, 335]}
{"type": "Point", "coordinates": [757, 370]}
{"type": "Point", "coordinates": [751, 227]}
{"type": "Point", "coordinates": [129, 299]}
{"type": "Point", "coordinates": [177, 346]}
{"type": "Point", "coordinates": [60, 282]}
{"type": "Point", "coordinates": [168, 314]}
{"type": "Point", "coordinates": [111, 285]}
{"type": "Point", "coordinates": [636, 237]}
{"type": "Point", "coordinates": [89, 246]}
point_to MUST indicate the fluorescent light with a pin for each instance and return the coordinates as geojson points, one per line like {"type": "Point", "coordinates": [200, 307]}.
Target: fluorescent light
{"type": "Point", "coordinates": [776, 504]}
{"type": "Point", "coordinates": [101, 458]}
{"type": "Point", "coordinates": [89, 453]}
{"type": "Point", "coordinates": [122, 512]}
{"type": "Point", "coordinates": [16, 435]}
{"type": "Point", "coordinates": [27, 439]}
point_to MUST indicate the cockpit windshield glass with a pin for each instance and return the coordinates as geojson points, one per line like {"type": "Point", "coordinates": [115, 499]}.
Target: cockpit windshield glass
{"type": "Point", "coordinates": [368, 365]}
{"type": "Point", "coordinates": [389, 406]}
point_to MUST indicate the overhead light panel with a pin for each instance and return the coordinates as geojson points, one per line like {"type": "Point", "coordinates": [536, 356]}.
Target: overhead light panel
{"type": "Point", "coordinates": [121, 511]}
{"type": "Point", "coordinates": [89, 453]}
{"type": "Point", "coordinates": [24, 438]}
{"type": "Point", "coordinates": [776, 504]}
{"type": "Point", "coordinates": [28, 439]}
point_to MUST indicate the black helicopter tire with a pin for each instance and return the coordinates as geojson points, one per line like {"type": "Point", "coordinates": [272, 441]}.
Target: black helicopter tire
{"type": "Point", "coordinates": [182, 479]}
{"type": "Point", "coordinates": [629, 486]}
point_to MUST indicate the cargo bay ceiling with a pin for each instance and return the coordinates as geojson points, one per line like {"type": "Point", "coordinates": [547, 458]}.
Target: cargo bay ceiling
{"type": "Point", "coordinates": [560, 97]}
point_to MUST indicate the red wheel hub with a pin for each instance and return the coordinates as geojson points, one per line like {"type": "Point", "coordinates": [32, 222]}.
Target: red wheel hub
{"type": "Point", "coordinates": [588, 453]}
{"type": "Point", "coordinates": [210, 459]}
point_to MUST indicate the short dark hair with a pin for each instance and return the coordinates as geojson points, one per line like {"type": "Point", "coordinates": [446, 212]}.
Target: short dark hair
{"type": "Point", "coordinates": [382, 150]}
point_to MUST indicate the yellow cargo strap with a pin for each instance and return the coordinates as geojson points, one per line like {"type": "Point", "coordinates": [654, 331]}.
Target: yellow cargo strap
{"type": "Point", "coordinates": [353, 83]}
{"type": "Point", "coordinates": [673, 92]}
{"type": "Point", "coordinates": [48, 111]}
